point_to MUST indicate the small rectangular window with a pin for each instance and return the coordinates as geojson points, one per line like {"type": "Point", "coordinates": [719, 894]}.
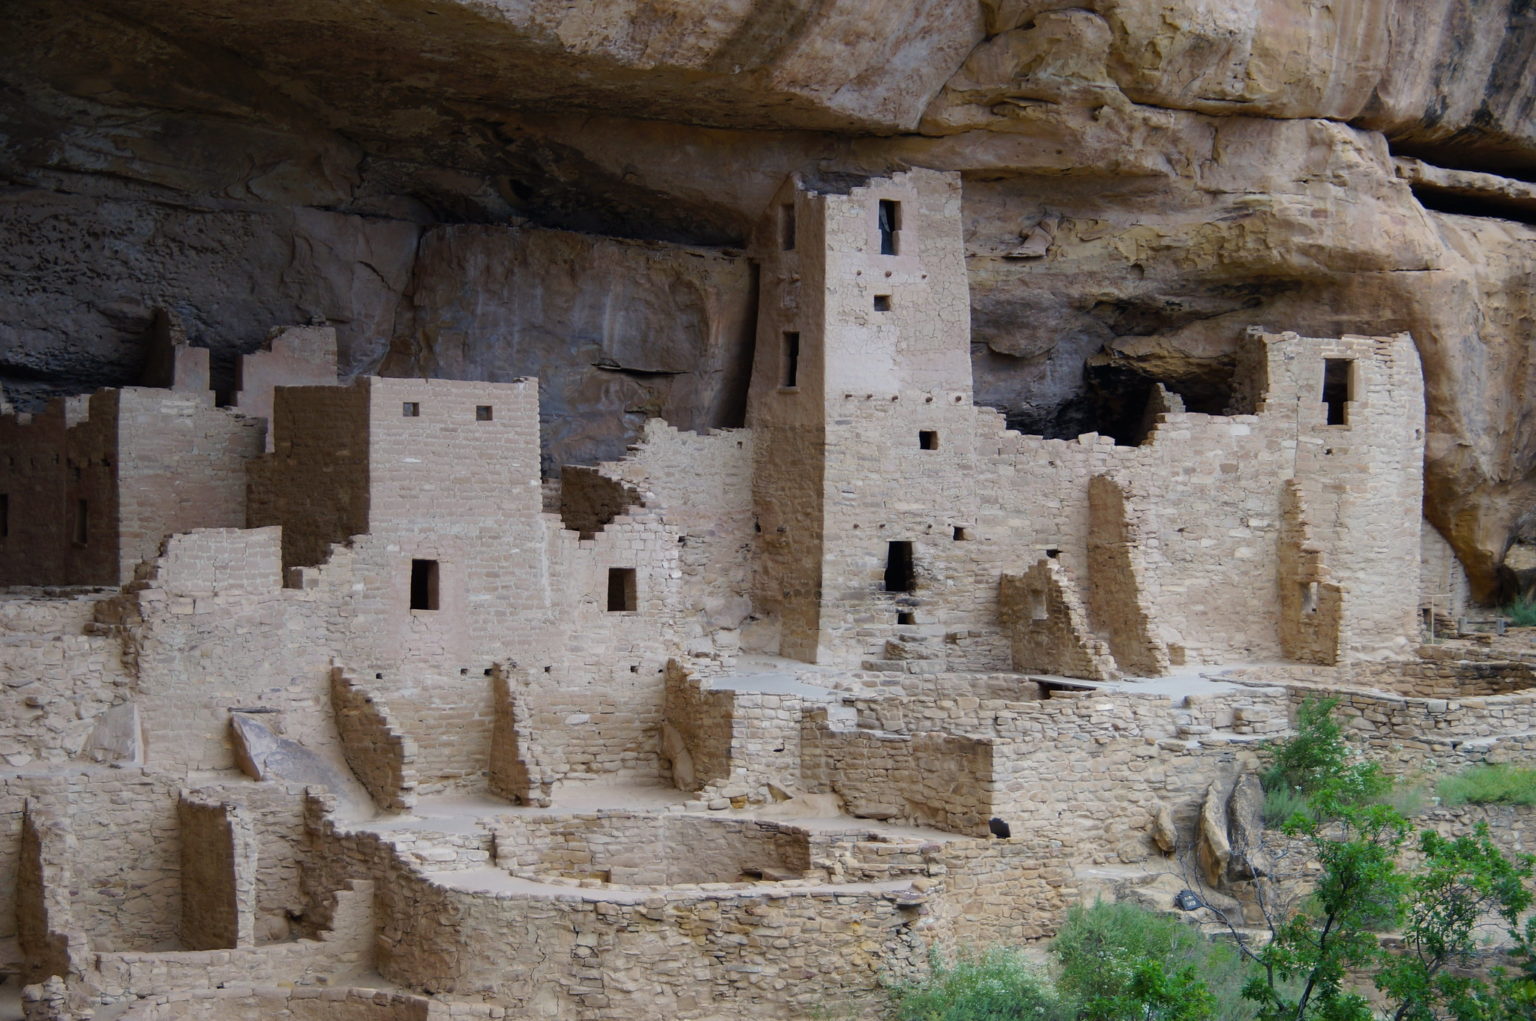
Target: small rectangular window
{"type": "Point", "coordinates": [906, 618]}
{"type": "Point", "coordinates": [1337, 389]}
{"type": "Point", "coordinates": [890, 226]}
{"type": "Point", "coordinates": [899, 573]}
{"type": "Point", "coordinates": [82, 522]}
{"type": "Point", "coordinates": [787, 226]}
{"type": "Point", "coordinates": [410, 409]}
{"type": "Point", "coordinates": [423, 584]}
{"type": "Point", "coordinates": [882, 303]}
{"type": "Point", "coordinates": [5, 515]}
{"type": "Point", "coordinates": [621, 590]}
{"type": "Point", "coordinates": [483, 412]}
{"type": "Point", "coordinates": [927, 439]}
{"type": "Point", "coordinates": [790, 374]}
{"type": "Point", "coordinates": [961, 535]}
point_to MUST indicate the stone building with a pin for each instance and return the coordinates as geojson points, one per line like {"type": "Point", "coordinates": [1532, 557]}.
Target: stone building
{"type": "Point", "coordinates": [552, 717]}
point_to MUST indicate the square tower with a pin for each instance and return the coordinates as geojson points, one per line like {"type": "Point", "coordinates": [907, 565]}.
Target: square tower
{"type": "Point", "coordinates": [861, 394]}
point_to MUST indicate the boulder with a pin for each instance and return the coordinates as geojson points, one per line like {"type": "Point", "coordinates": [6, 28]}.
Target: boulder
{"type": "Point", "coordinates": [1212, 844]}
{"type": "Point", "coordinates": [1163, 833]}
{"type": "Point", "coordinates": [1245, 830]}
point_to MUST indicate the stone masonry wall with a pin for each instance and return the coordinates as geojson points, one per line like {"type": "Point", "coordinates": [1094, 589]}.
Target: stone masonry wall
{"type": "Point", "coordinates": [925, 778]}
{"type": "Point", "coordinates": [382, 758]}
{"type": "Point", "coordinates": [181, 465]}
{"type": "Point", "coordinates": [57, 678]}
{"type": "Point", "coordinates": [704, 723]}
{"type": "Point", "coordinates": [218, 876]}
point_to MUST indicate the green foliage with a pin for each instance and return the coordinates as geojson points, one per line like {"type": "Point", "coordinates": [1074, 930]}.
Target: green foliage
{"type": "Point", "coordinates": [998, 985]}
{"type": "Point", "coordinates": [1280, 803]}
{"type": "Point", "coordinates": [1317, 761]}
{"type": "Point", "coordinates": [1462, 879]}
{"type": "Point", "coordinates": [1496, 784]}
{"type": "Point", "coordinates": [1332, 933]}
{"type": "Point", "coordinates": [1121, 962]}
{"type": "Point", "coordinates": [1521, 612]}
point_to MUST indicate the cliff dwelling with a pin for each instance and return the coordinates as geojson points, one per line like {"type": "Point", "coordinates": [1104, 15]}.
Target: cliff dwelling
{"type": "Point", "coordinates": [396, 683]}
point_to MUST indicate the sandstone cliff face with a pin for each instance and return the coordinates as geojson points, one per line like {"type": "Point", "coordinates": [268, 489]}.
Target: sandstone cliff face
{"type": "Point", "coordinates": [497, 189]}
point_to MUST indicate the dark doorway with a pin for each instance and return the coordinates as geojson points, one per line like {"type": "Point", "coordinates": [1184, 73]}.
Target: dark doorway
{"type": "Point", "coordinates": [899, 573]}
{"type": "Point", "coordinates": [423, 584]}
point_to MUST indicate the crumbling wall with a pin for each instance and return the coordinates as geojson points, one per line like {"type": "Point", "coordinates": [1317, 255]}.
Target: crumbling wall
{"type": "Point", "coordinates": [207, 627]}
{"type": "Point", "coordinates": [45, 927]}
{"type": "Point", "coordinates": [1408, 735]}
{"type": "Point", "coordinates": [290, 356]}
{"type": "Point", "coordinates": [514, 773]}
{"type": "Point", "coordinates": [1444, 587]}
{"type": "Point", "coordinates": [650, 849]}
{"type": "Point", "coordinates": [59, 679]}
{"type": "Point", "coordinates": [1311, 603]}
{"type": "Point", "coordinates": [702, 483]}
{"type": "Point", "coordinates": [343, 951]}
{"type": "Point", "coordinates": [382, 758]}
{"type": "Point", "coordinates": [1044, 617]}
{"type": "Point", "coordinates": [311, 1003]}
{"type": "Point", "coordinates": [704, 724]}
{"type": "Point", "coordinates": [315, 482]}
{"type": "Point", "coordinates": [1116, 605]}
{"type": "Point", "coordinates": [32, 474]}
{"type": "Point", "coordinates": [218, 875]}
{"type": "Point", "coordinates": [181, 465]}
{"type": "Point", "coordinates": [590, 501]}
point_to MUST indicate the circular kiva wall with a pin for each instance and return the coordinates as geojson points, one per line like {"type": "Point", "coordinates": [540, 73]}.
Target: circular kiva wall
{"type": "Point", "coordinates": [304, 1004]}
{"type": "Point", "coordinates": [640, 849]}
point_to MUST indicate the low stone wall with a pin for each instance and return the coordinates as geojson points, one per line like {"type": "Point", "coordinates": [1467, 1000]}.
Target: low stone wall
{"type": "Point", "coordinates": [1003, 687]}
{"type": "Point", "coordinates": [649, 849]}
{"type": "Point", "coordinates": [263, 1003]}
{"type": "Point", "coordinates": [924, 778]}
{"type": "Point", "coordinates": [1409, 735]}
{"type": "Point", "coordinates": [1087, 768]}
{"type": "Point", "coordinates": [345, 949]}
{"type": "Point", "coordinates": [1446, 672]}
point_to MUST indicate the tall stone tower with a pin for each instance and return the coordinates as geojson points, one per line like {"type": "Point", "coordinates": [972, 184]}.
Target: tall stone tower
{"type": "Point", "coordinates": [861, 399]}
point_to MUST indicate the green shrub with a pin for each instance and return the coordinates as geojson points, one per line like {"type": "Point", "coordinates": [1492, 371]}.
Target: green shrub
{"type": "Point", "coordinates": [1121, 962]}
{"type": "Point", "coordinates": [998, 985]}
{"type": "Point", "coordinates": [1495, 784]}
{"type": "Point", "coordinates": [1521, 612]}
{"type": "Point", "coordinates": [1318, 766]}
{"type": "Point", "coordinates": [1280, 803]}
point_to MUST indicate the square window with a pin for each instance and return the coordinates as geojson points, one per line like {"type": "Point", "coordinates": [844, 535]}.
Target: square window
{"type": "Point", "coordinates": [410, 409]}
{"type": "Point", "coordinates": [961, 535]}
{"type": "Point", "coordinates": [621, 590]}
{"type": "Point", "coordinates": [483, 412]}
{"type": "Point", "coordinates": [423, 584]}
{"type": "Point", "coordinates": [927, 439]}
{"type": "Point", "coordinates": [1338, 386]}
{"type": "Point", "coordinates": [882, 303]}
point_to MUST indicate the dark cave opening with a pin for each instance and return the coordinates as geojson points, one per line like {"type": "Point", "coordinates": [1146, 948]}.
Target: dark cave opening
{"type": "Point", "coordinates": [1119, 401]}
